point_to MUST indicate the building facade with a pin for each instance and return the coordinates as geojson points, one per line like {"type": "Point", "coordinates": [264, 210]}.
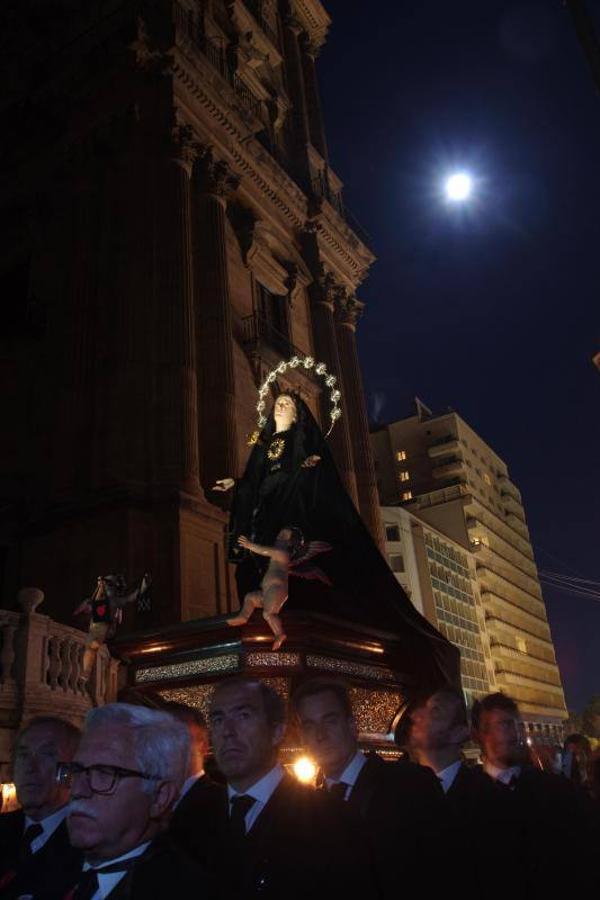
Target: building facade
{"type": "Point", "coordinates": [172, 231]}
{"type": "Point", "coordinates": [440, 577]}
{"type": "Point", "coordinates": [451, 479]}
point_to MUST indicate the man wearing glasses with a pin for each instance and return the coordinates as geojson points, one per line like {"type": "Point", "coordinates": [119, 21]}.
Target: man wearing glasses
{"type": "Point", "coordinates": [34, 844]}
{"type": "Point", "coordinates": [125, 778]}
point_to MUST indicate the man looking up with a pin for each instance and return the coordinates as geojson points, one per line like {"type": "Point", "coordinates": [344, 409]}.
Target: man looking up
{"type": "Point", "coordinates": [438, 731]}
{"type": "Point", "coordinates": [34, 844]}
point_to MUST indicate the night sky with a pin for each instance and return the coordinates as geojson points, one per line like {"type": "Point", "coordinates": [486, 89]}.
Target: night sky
{"type": "Point", "coordinates": [493, 309]}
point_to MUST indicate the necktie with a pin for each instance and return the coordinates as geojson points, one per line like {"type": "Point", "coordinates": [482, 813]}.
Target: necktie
{"type": "Point", "coordinates": [240, 806]}
{"type": "Point", "coordinates": [87, 885]}
{"type": "Point", "coordinates": [338, 789]}
{"type": "Point", "coordinates": [31, 832]}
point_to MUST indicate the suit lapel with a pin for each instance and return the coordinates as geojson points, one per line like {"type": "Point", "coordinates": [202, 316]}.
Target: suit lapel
{"type": "Point", "coordinates": [365, 785]}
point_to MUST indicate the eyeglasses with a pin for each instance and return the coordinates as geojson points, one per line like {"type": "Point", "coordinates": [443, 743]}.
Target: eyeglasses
{"type": "Point", "coordinates": [101, 779]}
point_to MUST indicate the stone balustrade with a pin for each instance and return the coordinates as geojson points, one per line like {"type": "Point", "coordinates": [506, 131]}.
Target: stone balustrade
{"type": "Point", "coordinates": [41, 672]}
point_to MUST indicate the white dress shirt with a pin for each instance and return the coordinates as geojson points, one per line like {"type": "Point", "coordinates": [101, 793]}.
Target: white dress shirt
{"type": "Point", "coordinates": [49, 824]}
{"type": "Point", "coordinates": [261, 792]}
{"type": "Point", "coordinates": [350, 774]}
{"type": "Point", "coordinates": [109, 881]}
{"type": "Point", "coordinates": [448, 775]}
{"type": "Point", "coordinates": [503, 775]}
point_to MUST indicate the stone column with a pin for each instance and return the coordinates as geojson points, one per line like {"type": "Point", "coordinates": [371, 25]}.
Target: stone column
{"type": "Point", "coordinates": [322, 292]}
{"type": "Point", "coordinates": [175, 347]}
{"type": "Point", "coordinates": [310, 51]}
{"type": "Point", "coordinates": [348, 310]}
{"type": "Point", "coordinates": [212, 183]}
{"type": "Point", "coordinates": [295, 77]}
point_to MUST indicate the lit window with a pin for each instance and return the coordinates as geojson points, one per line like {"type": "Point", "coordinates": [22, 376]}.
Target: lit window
{"type": "Point", "coordinates": [404, 475]}
{"type": "Point", "coordinates": [401, 455]}
{"type": "Point", "coordinates": [407, 495]}
{"type": "Point", "coordinates": [487, 479]}
{"type": "Point", "coordinates": [392, 533]}
{"type": "Point", "coordinates": [521, 645]}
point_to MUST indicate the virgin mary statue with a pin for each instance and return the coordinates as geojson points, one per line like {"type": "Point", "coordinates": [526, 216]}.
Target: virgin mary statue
{"type": "Point", "coordinates": [291, 480]}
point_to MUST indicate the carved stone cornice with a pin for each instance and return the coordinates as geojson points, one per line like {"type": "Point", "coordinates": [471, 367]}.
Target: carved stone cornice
{"type": "Point", "coordinates": [213, 176]}
{"type": "Point", "coordinates": [262, 176]}
{"type": "Point", "coordinates": [313, 18]}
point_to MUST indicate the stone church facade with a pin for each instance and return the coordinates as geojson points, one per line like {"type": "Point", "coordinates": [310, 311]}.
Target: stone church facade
{"type": "Point", "coordinates": [172, 230]}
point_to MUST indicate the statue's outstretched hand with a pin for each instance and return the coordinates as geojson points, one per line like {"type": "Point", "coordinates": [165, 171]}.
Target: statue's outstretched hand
{"type": "Point", "coordinates": [223, 484]}
{"type": "Point", "coordinates": [311, 461]}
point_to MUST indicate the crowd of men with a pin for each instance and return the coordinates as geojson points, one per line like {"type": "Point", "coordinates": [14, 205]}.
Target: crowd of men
{"type": "Point", "coordinates": [125, 809]}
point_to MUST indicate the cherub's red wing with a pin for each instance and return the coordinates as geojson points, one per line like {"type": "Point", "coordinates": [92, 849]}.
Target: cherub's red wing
{"type": "Point", "coordinates": [310, 550]}
{"type": "Point", "coordinates": [300, 565]}
{"type": "Point", "coordinates": [304, 570]}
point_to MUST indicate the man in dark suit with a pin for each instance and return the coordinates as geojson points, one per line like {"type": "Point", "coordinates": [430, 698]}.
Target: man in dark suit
{"type": "Point", "coordinates": [200, 795]}
{"type": "Point", "coordinates": [35, 853]}
{"type": "Point", "coordinates": [552, 818]}
{"type": "Point", "coordinates": [274, 837]}
{"type": "Point", "coordinates": [479, 813]}
{"type": "Point", "coordinates": [125, 777]}
{"type": "Point", "coordinates": [399, 805]}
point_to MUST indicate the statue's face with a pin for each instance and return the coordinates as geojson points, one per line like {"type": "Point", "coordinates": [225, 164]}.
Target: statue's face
{"type": "Point", "coordinates": [284, 412]}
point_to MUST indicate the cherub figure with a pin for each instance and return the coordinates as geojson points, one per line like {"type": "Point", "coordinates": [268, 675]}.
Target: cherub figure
{"type": "Point", "coordinates": [289, 556]}
{"type": "Point", "coordinates": [105, 608]}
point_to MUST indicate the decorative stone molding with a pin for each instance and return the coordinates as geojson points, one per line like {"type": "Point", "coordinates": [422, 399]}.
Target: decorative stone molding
{"type": "Point", "coordinates": [349, 309]}
{"type": "Point", "coordinates": [29, 599]}
{"type": "Point", "coordinates": [214, 176]}
{"type": "Point", "coordinates": [182, 147]}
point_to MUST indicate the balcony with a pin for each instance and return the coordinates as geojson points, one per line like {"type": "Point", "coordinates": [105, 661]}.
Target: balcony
{"type": "Point", "coordinates": [449, 443]}
{"type": "Point", "coordinates": [41, 671]}
{"type": "Point", "coordinates": [255, 8]}
{"type": "Point", "coordinates": [513, 506]}
{"type": "Point", "coordinates": [507, 487]}
{"type": "Point", "coordinates": [320, 188]}
{"type": "Point", "coordinates": [262, 340]}
{"type": "Point", "coordinates": [519, 525]}
{"type": "Point", "coordinates": [247, 99]}
{"type": "Point", "coordinates": [447, 467]}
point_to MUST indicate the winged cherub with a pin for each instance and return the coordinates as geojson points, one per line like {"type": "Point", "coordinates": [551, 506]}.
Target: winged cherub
{"type": "Point", "coordinates": [289, 556]}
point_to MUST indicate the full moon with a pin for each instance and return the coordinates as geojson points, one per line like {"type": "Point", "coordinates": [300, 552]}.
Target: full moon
{"type": "Point", "coordinates": [458, 186]}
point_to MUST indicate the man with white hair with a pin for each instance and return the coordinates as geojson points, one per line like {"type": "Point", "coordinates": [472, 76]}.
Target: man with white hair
{"type": "Point", "coordinates": [125, 777]}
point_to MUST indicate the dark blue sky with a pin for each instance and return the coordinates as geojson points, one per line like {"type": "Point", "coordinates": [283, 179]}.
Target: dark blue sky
{"type": "Point", "coordinates": [494, 310]}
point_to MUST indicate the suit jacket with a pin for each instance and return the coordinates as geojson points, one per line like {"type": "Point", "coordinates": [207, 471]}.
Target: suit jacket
{"type": "Point", "coordinates": [300, 846]}
{"type": "Point", "coordinates": [48, 873]}
{"type": "Point", "coordinates": [196, 812]}
{"type": "Point", "coordinates": [402, 813]}
{"type": "Point", "coordinates": [553, 818]}
{"type": "Point", "coordinates": [162, 871]}
{"type": "Point", "coordinates": [484, 833]}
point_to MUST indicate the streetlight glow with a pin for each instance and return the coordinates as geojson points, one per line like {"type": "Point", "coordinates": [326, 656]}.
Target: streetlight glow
{"type": "Point", "coordinates": [305, 770]}
{"type": "Point", "coordinates": [458, 187]}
